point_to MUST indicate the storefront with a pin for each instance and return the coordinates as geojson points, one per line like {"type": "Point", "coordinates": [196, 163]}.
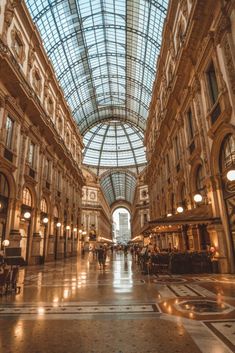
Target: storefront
{"type": "Point", "coordinates": [4, 201]}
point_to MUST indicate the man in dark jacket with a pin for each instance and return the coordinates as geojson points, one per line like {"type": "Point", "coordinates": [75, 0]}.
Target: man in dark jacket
{"type": "Point", "coordinates": [101, 256]}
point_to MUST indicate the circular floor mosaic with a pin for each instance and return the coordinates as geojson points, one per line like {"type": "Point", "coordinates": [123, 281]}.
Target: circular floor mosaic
{"type": "Point", "coordinates": [202, 307]}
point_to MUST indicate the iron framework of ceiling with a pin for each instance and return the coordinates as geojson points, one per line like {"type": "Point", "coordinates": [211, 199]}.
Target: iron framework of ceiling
{"type": "Point", "coordinates": [104, 54]}
{"type": "Point", "coordinates": [118, 186]}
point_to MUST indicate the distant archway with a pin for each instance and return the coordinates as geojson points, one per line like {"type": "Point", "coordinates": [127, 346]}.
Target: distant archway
{"type": "Point", "coordinates": [121, 226]}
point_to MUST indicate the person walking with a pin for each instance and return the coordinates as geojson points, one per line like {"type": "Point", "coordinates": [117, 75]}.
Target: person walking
{"type": "Point", "coordinates": [101, 256]}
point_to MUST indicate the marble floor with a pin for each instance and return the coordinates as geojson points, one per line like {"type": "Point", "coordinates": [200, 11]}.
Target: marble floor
{"type": "Point", "coordinates": [72, 306]}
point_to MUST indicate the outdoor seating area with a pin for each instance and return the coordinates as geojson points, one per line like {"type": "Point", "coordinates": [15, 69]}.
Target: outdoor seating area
{"type": "Point", "coordinates": [8, 280]}
{"type": "Point", "coordinates": [9, 271]}
{"type": "Point", "coordinates": [177, 263]}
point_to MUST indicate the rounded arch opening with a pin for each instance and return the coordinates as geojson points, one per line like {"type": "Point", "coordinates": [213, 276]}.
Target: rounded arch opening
{"type": "Point", "coordinates": [121, 226]}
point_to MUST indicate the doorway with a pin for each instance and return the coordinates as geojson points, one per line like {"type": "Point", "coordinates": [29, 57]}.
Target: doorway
{"type": "Point", "coordinates": [121, 226]}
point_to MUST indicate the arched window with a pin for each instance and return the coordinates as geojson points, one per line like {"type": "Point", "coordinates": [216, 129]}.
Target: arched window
{"type": "Point", "coordinates": [56, 212]}
{"type": "Point", "coordinates": [27, 197]}
{"type": "Point", "coordinates": [4, 187]}
{"type": "Point", "coordinates": [43, 206]}
{"type": "Point", "coordinates": [227, 155]}
{"type": "Point", "coordinates": [200, 179]}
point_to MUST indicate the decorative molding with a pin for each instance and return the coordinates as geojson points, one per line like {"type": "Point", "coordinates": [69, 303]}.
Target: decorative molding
{"type": "Point", "coordinates": [37, 80]}
{"type": "Point", "coordinates": [17, 45]}
{"type": "Point", "coordinates": [31, 59]}
{"type": "Point", "coordinates": [223, 26]}
{"type": "Point", "coordinates": [8, 17]}
{"type": "Point", "coordinates": [229, 63]}
{"type": "Point", "coordinates": [12, 104]}
{"type": "Point", "coordinates": [184, 8]}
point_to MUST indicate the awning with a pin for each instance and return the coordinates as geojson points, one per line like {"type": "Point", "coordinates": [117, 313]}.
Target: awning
{"type": "Point", "coordinates": [199, 215]}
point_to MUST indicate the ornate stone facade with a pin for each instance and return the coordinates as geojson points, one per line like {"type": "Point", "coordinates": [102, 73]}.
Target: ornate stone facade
{"type": "Point", "coordinates": [40, 171]}
{"type": "Point", "coordinates": [191, 117]}
{"type": "Point", "coordinates": [96, 222]}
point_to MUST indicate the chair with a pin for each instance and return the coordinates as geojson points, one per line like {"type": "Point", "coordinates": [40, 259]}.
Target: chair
{"type": "Point", "coordinates": [13, 280]}
{"type": "Point", "coordinates": [4, 279]}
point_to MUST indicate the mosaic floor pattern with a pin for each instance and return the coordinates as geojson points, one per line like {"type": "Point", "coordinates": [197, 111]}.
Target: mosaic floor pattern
{"type": "Point", "coordinates": [72, 306]}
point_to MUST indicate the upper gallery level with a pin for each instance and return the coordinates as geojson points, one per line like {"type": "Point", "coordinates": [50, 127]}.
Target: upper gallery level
{"type": "Point", "coordinates": [27, 73]}
{"type": "Point", "coordinates": [194, 58]}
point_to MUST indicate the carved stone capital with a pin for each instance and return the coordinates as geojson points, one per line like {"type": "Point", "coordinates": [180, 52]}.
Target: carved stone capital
{"type": "Point", "coordinates": [223, 27]}
{"type": "Point", "coordinates": [229, 62]}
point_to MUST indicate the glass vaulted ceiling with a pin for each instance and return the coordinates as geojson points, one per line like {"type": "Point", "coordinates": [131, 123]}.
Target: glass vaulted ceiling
{"type": "Point", "coordinates": [115, 144]}
{"type": "Point", "coordinates": [118, 186]}
{"type": "Point", "coordinates": [104, 53]}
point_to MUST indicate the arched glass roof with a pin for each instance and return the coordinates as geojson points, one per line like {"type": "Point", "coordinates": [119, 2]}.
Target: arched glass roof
{"type": "Point", "coordinates": [104, 54]}
{"type": "Point", "coordinates": [114, 144]}
{"type": "Point", "coordinates": [118, 185]}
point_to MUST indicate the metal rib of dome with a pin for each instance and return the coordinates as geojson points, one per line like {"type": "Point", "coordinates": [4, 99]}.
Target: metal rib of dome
{"type": "Point", "coordinates": [104, 54]}
{"type": "Point", "coordinates": [114, 144]}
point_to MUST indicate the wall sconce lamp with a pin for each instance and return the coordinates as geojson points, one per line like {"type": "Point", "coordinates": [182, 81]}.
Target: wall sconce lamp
{"type": "Point", "coordinates": [169, 214]}
{"type": "Point", "coordinates": [67, 227]}
{"type": "Point", "coordinates": [231, 175]}
{"type": "Point", "coordinates": [180, 209]}
{"type": "Point", "coordinates": [27, 215]}
{"type": "Point", "coordinates": [45, 220]}
{"type": "Point", "coordinates": [197, 198]}
{"type": "Point", "coordinates": [5, 243]}
{"type": "Point", "coordinates": [58, 225]}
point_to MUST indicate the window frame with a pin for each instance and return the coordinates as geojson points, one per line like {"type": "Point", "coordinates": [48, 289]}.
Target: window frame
{"type": "Point", "coordinates": [213, 92]}
{"type": "Point", "coordinates": [31, 161]}
{"type": "Point", "coordinates": [9, 136]}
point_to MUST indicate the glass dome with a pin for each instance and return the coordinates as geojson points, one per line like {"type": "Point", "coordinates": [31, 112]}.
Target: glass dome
{"type": "Point", "coordinates": [114, 144]}
{"type": "Point", "coordinates": [104, 54]}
